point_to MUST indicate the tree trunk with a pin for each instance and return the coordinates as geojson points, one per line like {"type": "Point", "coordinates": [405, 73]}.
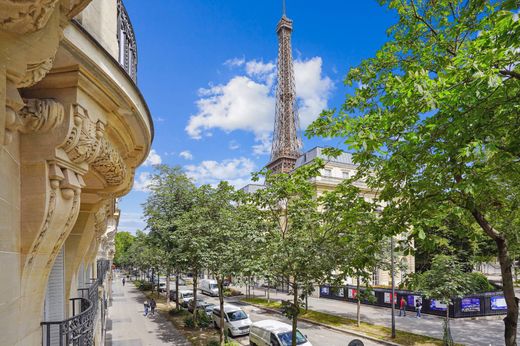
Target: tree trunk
{"type": "Point", "coordinates": [448, 340]}
{"type": "Point", "coordinates": [220, 281]}
{"type": "Point", "coordinates": [511, 319]}
{"type": "Point", "coordinates": [195, 280]}
{"type": "Point", "coordinates": [158, 283]}
{"type": "Point", "coordinates": [268, 290]}
{"type": "Point", "coordinates": [295, 316]}
{"type": "Point", "coordinates": [168, 288]}
{"type": "Point", "coordinates": [358, 313]}
{"type": "Point", "coordinates": [506, 264]}
{"type": "Point", "coordinates": [177, 307]}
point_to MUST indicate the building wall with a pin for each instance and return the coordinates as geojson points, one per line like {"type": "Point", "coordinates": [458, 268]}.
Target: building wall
{"type": "Point", "coordinates": [73, 129]}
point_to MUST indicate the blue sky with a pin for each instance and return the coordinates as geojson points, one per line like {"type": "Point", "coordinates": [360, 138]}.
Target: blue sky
{"type": "Point", "coordinates": [207, 67]}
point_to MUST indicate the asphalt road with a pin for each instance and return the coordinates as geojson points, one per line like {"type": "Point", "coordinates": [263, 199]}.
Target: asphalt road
{"type": "Point", "coordinates": [317, 335]}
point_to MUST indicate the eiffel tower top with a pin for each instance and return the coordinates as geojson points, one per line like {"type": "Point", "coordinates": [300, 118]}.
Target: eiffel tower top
{"type": "Point", "coordinates": [286, 146]}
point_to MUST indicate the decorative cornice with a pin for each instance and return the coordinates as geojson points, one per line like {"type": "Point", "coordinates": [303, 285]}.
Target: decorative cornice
{"type": "Point", "coordinates": [87, 143]}
{"type": "Point", "coordinates": [40, 115]}
{"type": "Point", "coordinates": [35, 72]}
{"type": "Point", "coordinates": [26, 16]}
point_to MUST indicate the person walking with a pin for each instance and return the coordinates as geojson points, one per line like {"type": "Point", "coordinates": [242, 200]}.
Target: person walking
{"type": "Point", "coordinates": [402, 307]}
{"type": "Point", "coordinates": [146, 306]}
{"type": "Point", "coordinates": [153, 305]}
{"type": "Point", "coordinates": [418, 307]}
{"type": "Point", "coordinates": [124, 281]}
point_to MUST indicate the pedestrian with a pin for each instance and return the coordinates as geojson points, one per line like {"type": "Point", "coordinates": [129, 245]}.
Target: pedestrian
{"type": "Point", "coordinates": [124, 281]}
{"type": "Point", "coordinates": [402, 307]}
{"type": "Point", "coordinates": [146, 306]}
{"type": "Point", "coordinates": [418, 307]}
{"type": "Point", "coordinates": [153, 304]}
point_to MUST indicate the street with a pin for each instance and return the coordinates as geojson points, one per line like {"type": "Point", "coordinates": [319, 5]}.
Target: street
{"type": "Point", "coordinates": [317, 335]}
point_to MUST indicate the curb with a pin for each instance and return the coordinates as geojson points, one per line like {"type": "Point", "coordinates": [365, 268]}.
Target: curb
{"type": "Point", "coordinates": [341, 330]}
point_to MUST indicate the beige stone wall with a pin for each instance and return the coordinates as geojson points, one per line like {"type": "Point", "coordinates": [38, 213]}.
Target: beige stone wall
{"type": "Point", "coordinates": [99, 18]}
{"type": "Point", "coordinates": [73, 129]}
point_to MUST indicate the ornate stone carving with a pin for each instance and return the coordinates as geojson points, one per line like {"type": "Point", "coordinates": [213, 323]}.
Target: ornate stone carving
{"type": "Point", "coordinates": [35, 72]}
{"type": "Point", "coordinates": [86, 143]}
{"type": "Point", "coordinates": [40, 115]}
{"type": "Point", "coordinates": [25, 16]}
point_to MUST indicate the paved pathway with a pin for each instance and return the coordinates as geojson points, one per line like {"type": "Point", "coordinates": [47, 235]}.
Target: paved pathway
{"type": "Point", "coordinates": [126, 325]}
{"type": "Point", "coordinates": [488, 331]}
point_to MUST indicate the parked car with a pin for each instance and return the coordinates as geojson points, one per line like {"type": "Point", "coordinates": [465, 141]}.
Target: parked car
{"type": "Point", "coordinates": [274, 333]}
{"type": "Point", "coordinates": [162, 286]}
{"type": "Point", "coordinates": [209, 309]}
{"type": "Point", "coordinates": [236, 321]}
{"type": "Point", "coordinates": [209, 287]}
{"type": "Point", "coordinates": [184, 297]}
{"type": "Point", "coordinates": [201, 304]}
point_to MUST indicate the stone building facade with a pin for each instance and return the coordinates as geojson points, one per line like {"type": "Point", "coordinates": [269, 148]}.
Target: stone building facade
{"type": "Point", "coordinates": [73, 128]}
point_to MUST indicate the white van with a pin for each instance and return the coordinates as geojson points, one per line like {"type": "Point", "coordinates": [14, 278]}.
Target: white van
{"type": "Point", "coordinates": [209, 287]}
{"type": "Point", "coordinates": [274, 333]}
{"type": "Point", "coordinates": [184, 297]}
{"type": "Point", "coordinates": [236, 321]}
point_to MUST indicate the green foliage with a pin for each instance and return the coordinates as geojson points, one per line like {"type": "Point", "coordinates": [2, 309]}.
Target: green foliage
{"type": "Point", "coordinates": [203, 320]}
{"type": "Point", "coordinates": [143, 285]}
{"type": "Point", "coordinates": [123, 241]}
{"type": "Point", "coordinates": [478, 283]}
{"type": "Point", "coordinates": [289, 309]}
{"type": "Point", "coordinates": [434, 124]}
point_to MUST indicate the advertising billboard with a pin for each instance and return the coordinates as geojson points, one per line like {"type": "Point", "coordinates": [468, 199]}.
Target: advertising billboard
{"type": "Point", "coordinates": [352, 293]}
{"type": "Point", "coordinates": [325, 290]}
{"type": "Point", "coordinates": [437, 305]}
{"type": "Point", "coordinates": [498, 303]}
{"type": "Point", "coordinates": [470, 305]}
{"type": "Point", "coordinates": [412, 300]}
{"type": "Point", "coordinates": [388, 297]}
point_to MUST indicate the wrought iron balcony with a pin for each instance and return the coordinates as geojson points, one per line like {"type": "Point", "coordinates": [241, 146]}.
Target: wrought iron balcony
{"type": "Point", "coordinates": [127, 45]}
{"type": "Point", "coordinates": [77, 330]}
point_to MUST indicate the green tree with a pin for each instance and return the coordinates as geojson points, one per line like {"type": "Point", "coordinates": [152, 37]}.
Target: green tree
{"type": "Point", "coordinates": [171, 195]}
{"type": "Point", "coordinates": [297, 245]}
{"type": "Point", "coordinates": [444, 281]}
{"type": "Point", "coordinates": [353, 220]}
{"type": "Point", "coordinates": [434, 123]}
{"type": "Point", "coordinates": [192, 237]}
{"type": "Point", "coordinates": [123, 241]}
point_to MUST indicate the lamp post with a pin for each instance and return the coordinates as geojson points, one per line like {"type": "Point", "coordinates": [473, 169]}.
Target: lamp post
{"type": "Point", "coordinates": [393, 285]}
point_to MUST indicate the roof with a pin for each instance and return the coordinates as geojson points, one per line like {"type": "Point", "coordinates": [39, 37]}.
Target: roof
{"type": "Point", "coordinates": [345, 158]}
{"type": "Point", "coordinates": [273, 326]}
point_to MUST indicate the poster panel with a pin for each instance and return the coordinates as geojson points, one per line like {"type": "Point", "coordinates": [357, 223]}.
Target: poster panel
{"type": "Point", "coordinates": [352, 293]}
{"type": "Point", "coordinates": [437, 305]}
{"type": "Point", "coordinates": [470, 305]}
{"type": "Point", "coordinates": [498, 303]}
{"type": "Point", "coordinates": [325, 290]}
{"type": "Point", "coordinates": [388, 297]}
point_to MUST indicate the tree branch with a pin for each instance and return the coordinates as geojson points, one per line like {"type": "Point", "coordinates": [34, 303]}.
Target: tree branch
{"type": "Point", "coordinates": [512, 74]}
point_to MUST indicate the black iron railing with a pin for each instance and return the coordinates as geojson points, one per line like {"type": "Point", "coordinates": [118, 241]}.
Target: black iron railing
{"type": "Point", "coordinates": [127, 45]}
{"type": "Point", "coordinates": [77, 330]}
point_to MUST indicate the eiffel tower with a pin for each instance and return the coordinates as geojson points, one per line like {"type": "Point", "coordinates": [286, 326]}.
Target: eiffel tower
{"type": "Point", "coordinates": [286, 146]}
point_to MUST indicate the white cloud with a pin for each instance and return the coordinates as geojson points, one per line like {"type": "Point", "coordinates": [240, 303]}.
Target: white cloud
{"type": "Point", "coordinates": [241, 104]}
{"type": "Point", "coordinates": [235, 62]}
{"type": "Point", "coordinates": [142, 182]}
{"type": "Point", "coordinates": [186, 155]}
{"type": "Point", "coordinates": [159, 119]}
{"type": "Point", "coordinates": [264, 145]}
{"type": "Point", "coordinates": [152, 159]}
{"type": "Point", "coordinates": [233, 145]}
{"type": "Point", "coordinates": [312, 89]}
{"type": "Point", "coordinates": [247, 102]}
{"type": "Point", "coordinates": [236, 171]}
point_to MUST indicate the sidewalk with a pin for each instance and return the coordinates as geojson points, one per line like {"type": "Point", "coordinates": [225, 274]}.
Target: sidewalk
{"type": "Point", "coordinates": [481, 332]}
{"type": "Point", "coordinates": [126, 325]}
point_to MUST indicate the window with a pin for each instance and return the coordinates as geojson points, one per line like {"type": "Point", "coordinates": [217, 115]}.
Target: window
{"type": "Point", "coordinates": [327, 172]}
{"type": "Point", "coordinates": [346, 175]}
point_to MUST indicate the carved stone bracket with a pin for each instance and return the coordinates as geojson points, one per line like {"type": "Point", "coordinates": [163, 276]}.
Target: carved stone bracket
{"type": "Point", "coordinates": [35, 72]}
{"type": "Point", "coordinates": [25, 16]}
{"type": "Point", "coordinates": [40, 115]}
{"type": "Point", "coordinates": [86, 143]}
